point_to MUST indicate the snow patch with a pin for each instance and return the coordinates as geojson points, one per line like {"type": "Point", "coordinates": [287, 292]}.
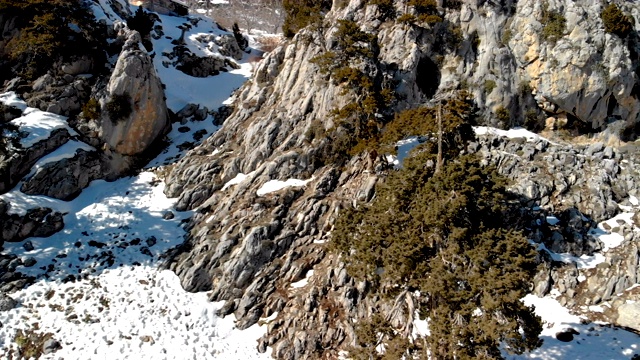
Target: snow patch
{"type": "Point", "coordinates": [12, 99]}
{"type": "Point", "coordinates": [303, 282]}
{"type": "Point", "coordinates": [240, 177]}
{"type": "Point", "coordinates": [38, 126]}
{"type": "Point", "coordinates": [275, 185]}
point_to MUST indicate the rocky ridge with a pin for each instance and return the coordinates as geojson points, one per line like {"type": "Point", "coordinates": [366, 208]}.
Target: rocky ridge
{"type": "Point", "coordinates": [247, 248]}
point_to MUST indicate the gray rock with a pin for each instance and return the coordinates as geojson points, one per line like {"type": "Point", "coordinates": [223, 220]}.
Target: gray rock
{"type": "Point", "coordinates": [29, 262]}
{"type": "Point", "coordinates": [135, 76]}
{"type": "Point", "coordinates": [629, 315]}
{"type": "Point", "coordinates": [14, 167]}
{"type": "Point", "coordinates": [228, 46]}
{"type": "Point", "coordinates": [201, 114]}
{"type": "Point", "coordinates": [51, 346]}
{"type": "Point", "coordinates": [66, 178]}
{"type": "Point", "coordinates": [28, 246]}
{"type": "Point", "coordinates": [78, 66]}
{"type": "Point", "coordinates": [187, 111]}
{"type": "Point", "coordinates": [43, 82]}
{"type": "Point", "coordinates": [7, 302]}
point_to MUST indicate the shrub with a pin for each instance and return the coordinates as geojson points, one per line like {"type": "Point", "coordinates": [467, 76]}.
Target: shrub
{"type": "Point", "coordinates": [554, 24]}
{"type": "Point", "coordinates": [489, 85]}
{"type": "Point", "coordinates": [30, 344]}
{"type": "Point", "coordinates": [448, 236]}
{"type": "Point", "coordinates": [91, 109]}
{"type": "Point", "coordinates": [506, 37]}
{"type": "Point", "coordinates": [386, 8]}
{"type": "Point", "coordinates": [407, 19]}
{"type": "Point", "coordinates": [46, 30]}
{"type": "Point", "coordinates": [615, 21]}
{"type": "Point", "coordinates": [301, 13]}
{"type": "Point", "coordinates": [424, 6]}
{"type": "Point", "coordinates": [119, 107]}
{"type": "Point", "coordinates": [532, 121]}
{"type": "Point", "coordinates": [141, 22]}
{"type": "Point", "coordinates": [240, 39]}
{"type": "Point", "coordinates": [503, 115]}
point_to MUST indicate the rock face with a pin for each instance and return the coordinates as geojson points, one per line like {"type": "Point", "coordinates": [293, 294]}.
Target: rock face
{"type": "Point", "coordinates": [247, 248]}
{"type": "Point", "coordinates": [65, 179]}
{"type": "Point", "coordinates": [135, 76]}
{"type": "Point", "coordinates": [19, 163]}
{"type": "Point", "coordinates": [587, 73]}
{"type": "Point", "coordinates": [40, 222]}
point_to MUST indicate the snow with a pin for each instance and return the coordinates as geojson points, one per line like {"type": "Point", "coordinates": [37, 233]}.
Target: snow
{"type": "Point", "coordinates": [276, 185]}
{"type": "Point", "coordinates": [610, 240]}
{"type": "Point", "coordinates": [595, 341]}
{"type": "Point", "coordinates": [129, 313]}
{"type": "Point", "coordinates": [420, 327]}
{"type": "Point", "coordinates": [11, 99]}
{"type": "Point", "coordinates": [181, 89]}
{"type": "Point", "coordinates": [582, 262]}
{"type": "Point", "coordinates": [38, 125]}
{"type": "Point", "coordinates": [240, 177]}
{"type": "Point", "coordinates": [511, 133]}
{"type": "Point", "coordinates": [99, 288]}
{"type": "Point", "coordinates": [303, 282]}
{"type": "Point", "coordinates": [66, 151]}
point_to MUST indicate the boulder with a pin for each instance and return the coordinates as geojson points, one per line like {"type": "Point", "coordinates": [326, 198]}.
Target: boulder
{"type": "Point", "coordinates": [134, 76]}
{"type": "Point", "coordinates": [7, 302]}
{"type": "Point", "coordinates": [629, 315]}
{"type": "Point", "coordinates": [79, 66]}
{"type": "Point", "coordinates": [66, 178]}
{"type": "Point", "coordinates": [50, 346]}
{"type": "Point", "coordinates": [228, 46]}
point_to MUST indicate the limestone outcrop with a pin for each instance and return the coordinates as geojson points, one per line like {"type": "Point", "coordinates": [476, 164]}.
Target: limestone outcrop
{"type": "Point", "coordinates": [247, 247]}
{"type": "Point", "coordinates": [134, 77]}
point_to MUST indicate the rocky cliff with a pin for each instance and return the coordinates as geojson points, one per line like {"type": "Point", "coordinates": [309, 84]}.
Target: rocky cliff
{"type": "Point", "coordinates": [247, 245]}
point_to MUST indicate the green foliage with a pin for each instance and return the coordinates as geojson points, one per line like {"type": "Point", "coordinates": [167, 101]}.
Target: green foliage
{"type": "Point", "coordinates": [554, 24]}
{"type": "Point", "coordinates": [30, 344]}
{"type": "Point", "coordinates": [91, 109]}
{"type": "Point", "coordinates": [504, 117]}
{"type": "Point", "coordinates": [354, 42]}
{"type": "Point", "coordinates": [421, 121]}
{"type": "Point", "coordinates": [301, 13]}
{"type": "Point", "coordinates": [533, 121]}
{"type": "Point", "coordinates": [361, 119]}
{"type": "Point", "coordinates": [489, 85]}
{"type": "Point", "coordinates": [141, 22]}
{"type": "Point", "coordinates": [119, 107]}
{"type": "Point", "coordinates": [424, 6]}
{"type": "Point", "coordinates": [407, 19]}
{"type": "Point", "coordinates": [47, 27]}
{"type": "Point", "coordinates": [386, 8]}
{"type": "Point", "coordinates": [427, 11]}
{"type": "Point", "coordinates": [615, 21]}
{"type": "Point", "coordinates": [445, 235]}
{"type": "Point", "coordinates": [240, 39]}
{"type": "Point", "coordinates": [507, 34]}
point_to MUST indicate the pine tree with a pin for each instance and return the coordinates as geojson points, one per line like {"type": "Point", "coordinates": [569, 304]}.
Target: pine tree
{"type": "Point", "coordinates": [444, 235]}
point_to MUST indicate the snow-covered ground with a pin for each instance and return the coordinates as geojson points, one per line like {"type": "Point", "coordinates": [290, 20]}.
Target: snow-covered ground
{"type": "Point", "coordinates": [99, 290]}
{"type": "Point", "coordinates": [594, 341]}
